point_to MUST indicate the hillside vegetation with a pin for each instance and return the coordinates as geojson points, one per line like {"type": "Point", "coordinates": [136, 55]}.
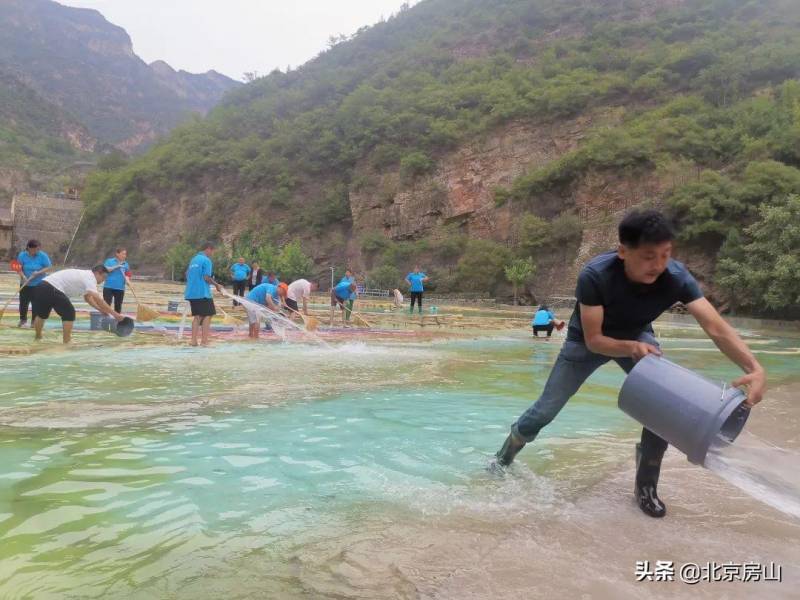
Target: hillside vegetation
{"type": "Point", "coordinates": [707, 87]}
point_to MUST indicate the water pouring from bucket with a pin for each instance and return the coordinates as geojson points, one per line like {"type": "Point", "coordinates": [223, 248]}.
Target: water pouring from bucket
{"type": "Point", "coordinates": [683, 407]}
{"type": "Point", "coordinates": [703, 420]}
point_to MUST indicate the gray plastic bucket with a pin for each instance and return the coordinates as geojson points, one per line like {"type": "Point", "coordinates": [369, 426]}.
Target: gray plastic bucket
{"type": "Point", "coordinates": [684, 408]}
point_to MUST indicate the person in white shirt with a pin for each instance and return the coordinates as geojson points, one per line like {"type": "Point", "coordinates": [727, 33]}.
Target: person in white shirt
{"type": "Point", "coordinates": [299, 290]}
{"type": "Point", "coordinates": [55, 291]}
{"type": "Point", "coordinates": [398, 298]}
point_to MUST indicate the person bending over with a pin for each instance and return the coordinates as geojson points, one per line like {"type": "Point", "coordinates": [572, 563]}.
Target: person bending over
{"type": "Point", "coordinates": [340, 295]}
{"type": "Point", "coordinates": [266, 294]}
{"type": "Point", "coordinates": [619, 294]}
{"type": "Point", "coordinates": [55, 291]}
{"type": "Point", "coordinates": [296, 291]}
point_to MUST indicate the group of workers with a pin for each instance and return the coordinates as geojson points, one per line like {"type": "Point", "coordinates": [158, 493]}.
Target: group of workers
{"type": "Point", "coordinates": [618, 296]}
{"type": "Point", "coordinates": [45, 293]}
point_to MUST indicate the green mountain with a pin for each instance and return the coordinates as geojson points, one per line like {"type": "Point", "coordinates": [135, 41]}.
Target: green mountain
{"type": "Point", "coordinates": [36, 136]}
{"type": "Point", "coordinates": [71, 90]}
{"type": "Point", "coordinates": [467, 135]}
{"type": "Point", "coordinates": [77, 60]}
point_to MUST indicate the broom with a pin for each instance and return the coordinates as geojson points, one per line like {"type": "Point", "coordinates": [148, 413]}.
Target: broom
{"type": "Point", "coordinates": [311, 323]}
{"type": "Point", "coordinates": [230, 319]}
{"type": "Point", "coordinates": [360, 321]}
{"type": "Point", "coordinates": [144, 313]}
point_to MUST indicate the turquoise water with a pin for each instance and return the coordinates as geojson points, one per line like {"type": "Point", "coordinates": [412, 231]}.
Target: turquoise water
{"type": "Point", "coordinates": [157, 471]}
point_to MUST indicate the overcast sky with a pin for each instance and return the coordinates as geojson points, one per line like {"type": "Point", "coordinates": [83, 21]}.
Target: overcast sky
{"type": "Point", "coordinates": [234, 36]}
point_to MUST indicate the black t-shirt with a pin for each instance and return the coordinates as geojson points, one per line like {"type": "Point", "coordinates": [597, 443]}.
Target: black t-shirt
{"type": "Point", "coordinates": [628, 308]}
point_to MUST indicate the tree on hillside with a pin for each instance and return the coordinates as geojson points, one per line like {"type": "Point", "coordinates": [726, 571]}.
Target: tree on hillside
{"type": "Point", "coordinates": [385, 277]}
{"type": "Point", "coordinates": [177, 260]}
{"type": "Point", "coordinates": [518, 273]}
{"type": "Point", "coordinates": [761, 270]}
{"type": "Point", "coordinates": [293, 263]}
{"type": "Point", "coordinates": [480, 269]}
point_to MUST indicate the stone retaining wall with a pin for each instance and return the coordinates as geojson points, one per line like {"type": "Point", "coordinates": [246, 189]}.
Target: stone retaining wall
{"type": "Point", "coordinates": [50, 219]}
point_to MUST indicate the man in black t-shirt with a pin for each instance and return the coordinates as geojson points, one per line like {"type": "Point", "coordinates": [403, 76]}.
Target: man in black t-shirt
{"type": "Point", "coordinates": [619, 294]}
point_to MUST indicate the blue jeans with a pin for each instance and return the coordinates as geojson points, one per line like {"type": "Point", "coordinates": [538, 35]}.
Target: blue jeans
{"type": "Point", "coordinates": [573, 366]}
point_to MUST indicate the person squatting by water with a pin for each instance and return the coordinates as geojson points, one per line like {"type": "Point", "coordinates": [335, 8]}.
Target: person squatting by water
{"type": "Point", "coordinates": [118, 273]}
{"type": "Point", "coordinates": [267, 294]}
{"type": "Point", "coordinates": [55, 291]}
{"type": "Point", "coordinates": [199, 279]}
{"type": "Point", "coordinates": [240, 271]}
{"type": "Point", "coordinates": [544, 321]}
{"type": "Point", "coordinates": [618, 295]}
{"type": "Point", "coordinates": [35, 263]}
{"type": "Point", "coordinates": [415, 280]}
{"type": "Point", "coordinates": [340, 294]}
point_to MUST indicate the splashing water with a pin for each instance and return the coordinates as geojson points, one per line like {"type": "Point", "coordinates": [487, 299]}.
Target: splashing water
{"type": "Point", "coordinates": [280, 324]}
{"type": "Point", "coordinates": [764, 471]}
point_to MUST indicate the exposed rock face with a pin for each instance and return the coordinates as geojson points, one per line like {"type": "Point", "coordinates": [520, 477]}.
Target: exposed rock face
{"type": "Point", "coordinates": [77, 60]}
{"type": "Point", "coordinates": [461, 191]}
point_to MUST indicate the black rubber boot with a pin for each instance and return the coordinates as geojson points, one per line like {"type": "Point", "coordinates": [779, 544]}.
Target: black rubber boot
{"type": "Point", "coordinates": [648, 469]}
{"type": "Point", "coordinates": [510, 448]}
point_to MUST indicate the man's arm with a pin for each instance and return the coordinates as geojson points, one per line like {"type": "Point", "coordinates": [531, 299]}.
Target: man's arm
{"type": "Point", "coordinates": [210, 280]}
{"type": "Point", "coordinates": [95, 300]}
{"type": "Point", "coordinates": [732, 346]}
{"type": "Point", "coordinates": [592, 322]}
{"type": "Point", "coordinates": [305, 305]}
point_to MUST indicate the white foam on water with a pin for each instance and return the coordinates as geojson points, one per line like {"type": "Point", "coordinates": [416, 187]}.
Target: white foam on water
{"type": "Point", "coordinates": [761, 470]}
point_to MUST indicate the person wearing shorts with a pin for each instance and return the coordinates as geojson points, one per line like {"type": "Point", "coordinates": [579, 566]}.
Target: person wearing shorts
{"type": "Point", "coordinates": [299, 290]}
{"type": "Point", "coordinates": [118, 273]}
{"type": "Point", "coordinates": [199, 279]}
{"type": "Point", "coordinates": [54, 294]}
{"type": "Point", "coordinates": [266, 294]}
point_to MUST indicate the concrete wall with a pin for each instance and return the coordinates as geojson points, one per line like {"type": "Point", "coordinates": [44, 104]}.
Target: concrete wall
{"type": "Point", "coordinates": [49, 219]}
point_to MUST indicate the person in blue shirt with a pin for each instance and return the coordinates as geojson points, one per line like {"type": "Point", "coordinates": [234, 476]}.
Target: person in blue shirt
{"type": "Point", "coordinates": [340, 294]}
{"type": "Point", "coordinates": [349, 278]}
{"type": "Point", "coordinates": [35, 263]}
{"type": "Point", "coordinates": [240, 271]}
{"type": "Point", "coordinates": [199, 279]}
{"type": "Point", "coordinates": [618, 296]}
{"type": "Point", "coordinates": [265, 294]}
{"type": "Point", "coordinates": [118, 273]}
{"type": "Point", "coordinates": [543, 320]}
{"type": "Point", "coordinates": [415, 280]}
